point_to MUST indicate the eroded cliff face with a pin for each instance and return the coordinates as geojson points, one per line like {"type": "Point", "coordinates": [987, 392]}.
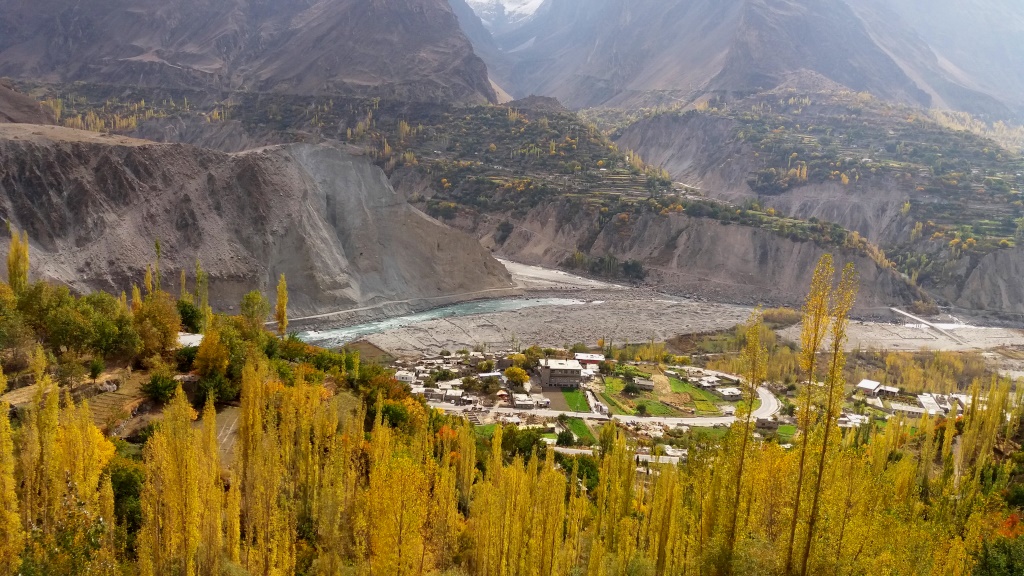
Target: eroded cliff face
{"type": "Point", "coordinates": [686, 255]}
{"type": "Point", "coordinates": [94, 205]}
{"type": "Point", "coordinates": [995, 284]}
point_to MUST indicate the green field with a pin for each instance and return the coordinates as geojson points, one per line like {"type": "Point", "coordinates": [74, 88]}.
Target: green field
{"type": "Point", "coordinates": [616, 406]}
{"type": "Point", "coordinates": [485, 431]}
{"type": "Point", "coordinates": [583, 434]}
{"type": "Point", "coordinates": [786, 432]}
{"type": "Point", "coordinates": [577, 400]}
{"type": "Point", "coordinates": [613, 385]}
{"type": "Point", "coordinates": [705, 407]}
{"type": "Point", "coordinates": [681, 387]}
{"type": "Point", "coordinates": [655, 408]}
{"type": "Point", "coordinates": [549, 436]}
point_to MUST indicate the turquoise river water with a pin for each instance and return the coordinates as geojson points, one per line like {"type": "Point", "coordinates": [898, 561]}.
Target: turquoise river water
{"type": "Point", "coordinates": [342, 336]}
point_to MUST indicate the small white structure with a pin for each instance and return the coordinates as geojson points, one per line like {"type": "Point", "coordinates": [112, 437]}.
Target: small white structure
{"type": "Point", "coordinates": [589, 359]}
{"type": "Point", "coordinates": [418, 391]}
{"type": "Point", "coordinates": [644, 384]}
{"type": "Point", "coordinates": [405, 377]}
{"type": "Point", "coordinates": [730, 393]}
{"type": "Point", "coordinates": [868, 387]}
{"type": "Point", "coordinates": [540, 401]}
{"type": "Point", "coordinates": [523, 401]}
{"type": "Point", "coordinates": [709, 381]}
{"type": "Point", "coordinates": [851, 420]}
{"type": "Point", "coordinates": [906, 409]}
{"type": "Point", "coordinates": [930, 404]}
{"type": "Point", "coordinates": [888, 391]}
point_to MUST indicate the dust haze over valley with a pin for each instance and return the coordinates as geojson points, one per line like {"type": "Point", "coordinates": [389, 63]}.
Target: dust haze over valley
{"type": "Point", "coordinates": [512, 287]}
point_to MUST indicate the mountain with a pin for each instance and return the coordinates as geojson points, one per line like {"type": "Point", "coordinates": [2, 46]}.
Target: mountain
{"type": "Point", "coordinates": [500, 15]}
{"type": "Point", "coordinates": [94, 204]}
{"type": "Point", "coordinates": [632, 53]}
{"type": "Point", "coordinates": [409, 49]}
{"type": "Point", "coordinates": [17, 107]}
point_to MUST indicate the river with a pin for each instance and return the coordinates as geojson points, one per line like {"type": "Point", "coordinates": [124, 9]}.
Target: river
{"type": "Point", "coordinates": [341, 336]}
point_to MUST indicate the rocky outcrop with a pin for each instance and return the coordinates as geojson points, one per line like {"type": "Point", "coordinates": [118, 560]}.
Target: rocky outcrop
{"type": "Point", "coordinates": [17, 107]}
{"type": "Point", "coordinates": [995, 284]}
{"type": "Point", "coordinates": [686, 255]}
{"type": "Point", "coordinates": [93, 205]}
{"type": "Point", "coordinates": [410, 50]}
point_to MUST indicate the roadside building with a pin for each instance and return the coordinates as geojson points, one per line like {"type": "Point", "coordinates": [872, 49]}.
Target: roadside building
{"type": "Point", "coordinates": [418, 391]}
{"type": "Point", "coordinates": [730, 393]}
{"type": "Point", "coordinates": [405, 377]}
{"type": "Point", "coordinates": [540, 401]}
{"type": "Point", "coordinates": [523, 402]}
{"type": "Point", "coordinates": [561, 373]}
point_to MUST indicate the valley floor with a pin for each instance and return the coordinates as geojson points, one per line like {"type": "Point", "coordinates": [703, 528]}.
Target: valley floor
{"type": "Point", "coordinates": [623, 314]}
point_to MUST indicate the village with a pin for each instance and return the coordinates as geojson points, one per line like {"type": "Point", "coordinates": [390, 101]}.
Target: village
{"type": "Point", "coordinates": [568, 395]}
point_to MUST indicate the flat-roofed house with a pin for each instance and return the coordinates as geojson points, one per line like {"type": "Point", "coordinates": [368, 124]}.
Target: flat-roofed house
{"type": "Point", "coordinates": [561, 373]}
{"type": "Point", "coordinates": [589, 360]}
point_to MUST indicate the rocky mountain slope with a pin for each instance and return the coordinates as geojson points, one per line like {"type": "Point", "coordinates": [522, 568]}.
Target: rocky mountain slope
{"type": "Point", "coordinates": [17, 107]}
{"type": "Point", "coordinates": [411, 50]}
{"type": "Point", "coordinates": [643, 52]}
{"type": "Point", "coordinates": [684, 255]}
{"type": "Point", "coordinates": [94, 204]}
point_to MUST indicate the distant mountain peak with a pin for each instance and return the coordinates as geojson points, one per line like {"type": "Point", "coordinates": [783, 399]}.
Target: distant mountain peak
{"type": "Point", "coordinates": [499, 15]}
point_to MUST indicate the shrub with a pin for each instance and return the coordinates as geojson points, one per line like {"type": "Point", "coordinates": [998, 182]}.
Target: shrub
{"type": "Point", "coordinates": [566, 438]}
{"type": "Point", "coordinates": [160, 387]}
{"type": "Point", "coordinates": [191, 317]}
{"type": "Point", "coordinates": [222, 389]}
{"type": "Point", "coordinates": [782, 317]}
{"type": "Point", "coordinates": [185, 358]}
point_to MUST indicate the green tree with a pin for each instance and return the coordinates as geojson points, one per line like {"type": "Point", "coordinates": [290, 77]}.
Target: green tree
{"type": "Point", "coordinates": [255, 310]}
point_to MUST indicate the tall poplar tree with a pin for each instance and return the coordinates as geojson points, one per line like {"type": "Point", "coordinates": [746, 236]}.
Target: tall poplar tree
{"type": "Point", "coordinates": [812, 334]}
{"type": "Point", "coordinates": [281, 307]}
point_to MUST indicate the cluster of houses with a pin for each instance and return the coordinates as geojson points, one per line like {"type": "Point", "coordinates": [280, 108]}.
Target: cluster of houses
{"type": "Point", "coordinates": [724, 385]}
{"type": "Point", "coordinates": [930, 404]}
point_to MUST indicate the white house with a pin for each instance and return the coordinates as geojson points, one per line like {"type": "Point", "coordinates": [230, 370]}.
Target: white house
{"type": "Point", "coordinates": [730, 393]}
{"type": "Point", "coordinates": [405, 377]}
{"type": "Point", "coordinates": [589, 359]}
{"type": "Point", "coordinates": [868, 387]}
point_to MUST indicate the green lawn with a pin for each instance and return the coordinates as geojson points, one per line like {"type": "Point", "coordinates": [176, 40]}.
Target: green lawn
{"type": "Point", "coordinates": [485, 431]}
{"type": "Point", "coordinates": [681, 387]}
{"type": "Point", "coordinates": [583, 434]}
{"type": "Point", "coordinates": [786, 432]}
{"type": "Point", "coordinates": [577, 400]}
{"type": "Point", "coordinates": [549, 436]}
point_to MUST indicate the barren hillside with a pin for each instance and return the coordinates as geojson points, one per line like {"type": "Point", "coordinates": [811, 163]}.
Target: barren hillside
{"type": "Point", "coordinates": [93, 206]}
{"type": "Point", "coordinates": [411, 50]}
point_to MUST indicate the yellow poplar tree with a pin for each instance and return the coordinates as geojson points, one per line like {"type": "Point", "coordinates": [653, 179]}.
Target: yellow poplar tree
{"type": "Point", "coordinates": [18, 261]}
{"type": "Point", "coordinates": [12, 536]}
{"type": "Point", "coordinates": [812, 335]}
{"type": "Point", "coordinates": [281, 307]}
